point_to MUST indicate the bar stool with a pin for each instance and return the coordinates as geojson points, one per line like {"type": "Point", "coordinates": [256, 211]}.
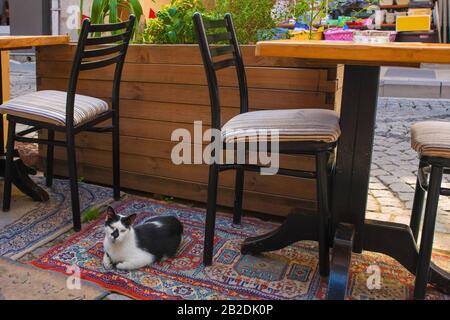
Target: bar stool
{"type": "Point", "coordinates": [431, 140]}
{"type": "Point", "coordinates": [72, 113]}
{"type": "Point", "coordinates": [301, 131]}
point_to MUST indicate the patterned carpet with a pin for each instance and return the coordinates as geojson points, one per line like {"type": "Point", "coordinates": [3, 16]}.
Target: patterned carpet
{"type": "Point", "coordinates": [30, 225]}
{"type": "Point", "coordinates": [290, 273]}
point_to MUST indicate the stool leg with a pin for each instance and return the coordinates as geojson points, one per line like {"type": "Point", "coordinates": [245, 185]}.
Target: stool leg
{"type": "Point", "coordinates": [323, 210]}
{"type": "Point", "coordinates": [8, 165]}
{"type": "Point", "coordinates": [238, 193]}
{"type": "Point", "coordinates": [426, 243]}
{"type": "Point", "coordinates": [210, 223]}
{"type": "Point", "coordinates": [416, 213]}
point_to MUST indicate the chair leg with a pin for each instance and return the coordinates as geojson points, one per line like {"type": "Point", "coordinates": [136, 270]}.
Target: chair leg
{"type": "Point", "coordinates": [210, 215]}
{"type": "Point", "coordinates": [238, 193]}
{"type": "Point", "coordinates": [324, 216]}
{"type": "Point", "coordinates": [50, 153]}
{"type": "Point", "coordinates": [2, 142]}
{"type": "Point", "coordinates": [416, 213]}
{"type": "Point", "coordinates": [8, 165]}
{"type": "Point", "coordinates": [71, 158]}
{"type": "Point", "coordinates": [426, 243]}
{"type": "Point", "coordinates": [116, 157]}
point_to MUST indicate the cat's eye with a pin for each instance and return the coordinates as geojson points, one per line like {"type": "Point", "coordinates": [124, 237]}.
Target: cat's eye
{"type": "Point", "coordinates": [123, 231]}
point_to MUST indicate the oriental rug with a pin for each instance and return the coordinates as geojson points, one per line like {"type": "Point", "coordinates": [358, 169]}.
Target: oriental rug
{"type": "Point", "coordinates": [289, 273]}
{"type": "Point", "coordinates": [29, 225]}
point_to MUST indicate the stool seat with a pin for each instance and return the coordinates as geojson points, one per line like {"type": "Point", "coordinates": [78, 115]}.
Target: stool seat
{"type": "Point", "coordinates": [317, 125]}
{"type": "Point", "coordinates": [431, 138]}
{"type": "Point", "coordinates": [49, 106]}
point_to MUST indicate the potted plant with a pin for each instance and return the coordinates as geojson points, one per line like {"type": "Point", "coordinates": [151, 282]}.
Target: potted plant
{"type": "Point", "coordinates": [173, 23]}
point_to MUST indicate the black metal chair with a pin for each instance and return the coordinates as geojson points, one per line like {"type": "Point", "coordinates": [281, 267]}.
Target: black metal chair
{"type": "Point", "coordinates": [71, 113]}
{"type": "Point", "coordinates": [302, 131]}
{"type": "Point", "coordinates": [431, 140]}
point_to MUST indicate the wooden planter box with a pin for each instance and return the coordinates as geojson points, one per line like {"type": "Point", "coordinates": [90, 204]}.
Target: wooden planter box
{"type": "Point", "coordinates": [164, 88]}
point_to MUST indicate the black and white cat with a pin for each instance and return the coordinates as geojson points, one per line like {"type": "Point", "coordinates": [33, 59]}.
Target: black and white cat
{"type": "Point", "coordinates": [129, 248]}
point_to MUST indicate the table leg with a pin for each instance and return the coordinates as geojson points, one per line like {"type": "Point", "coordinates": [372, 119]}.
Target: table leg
{"type": "Point", "coordinates": [350, 188]}
{"type": "Point", "coordinates": [397, 241]}
{"type": "Point", "coordinates": [20, 171]}
{"type": "Point", "coordinates": [340, 263]}
{"type": "Point", "coordinates": [297, 226]}
{"type": "Point", "coordinates": [351, 181]}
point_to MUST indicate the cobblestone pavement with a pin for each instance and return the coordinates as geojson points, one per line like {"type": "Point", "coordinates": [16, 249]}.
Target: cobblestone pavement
{"type": "Point", "coordinates": [394, 166]}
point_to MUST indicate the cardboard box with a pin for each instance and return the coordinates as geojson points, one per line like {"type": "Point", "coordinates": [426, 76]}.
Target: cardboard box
{"type": "Point", "coordinates": [413, 23]}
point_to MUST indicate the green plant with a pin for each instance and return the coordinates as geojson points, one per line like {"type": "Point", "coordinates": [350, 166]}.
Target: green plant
{"type": "Point", "coordinates": [310, 11]}
{"type": "Point", "coordinates": [173, 23]}
{"type": "Point", "coordinates": [250, 17]}
{"type": "Point", "coordinates": [91, 214]}
{"type": "Point", "coordinates": [112, 8]}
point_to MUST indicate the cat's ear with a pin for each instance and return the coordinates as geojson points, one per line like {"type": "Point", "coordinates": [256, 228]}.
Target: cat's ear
{"type": "Point", "coordinates": [128, 221]}
{"type": "Point", "coordinates": [110, 214]}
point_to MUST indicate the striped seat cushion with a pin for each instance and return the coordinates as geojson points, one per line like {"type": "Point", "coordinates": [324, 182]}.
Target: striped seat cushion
{"type": "Point", "coordinates": [292, 125]}
{"type": "Point", "coordinates": [50, 106]}
{"type": "Point", "coordinates": [431, 138]}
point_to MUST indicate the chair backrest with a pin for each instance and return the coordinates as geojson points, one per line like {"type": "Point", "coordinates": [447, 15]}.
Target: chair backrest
{"type": "Point", "coordinates": [96, 50]}
{"type": "Point", "coordinates": [220, 57]}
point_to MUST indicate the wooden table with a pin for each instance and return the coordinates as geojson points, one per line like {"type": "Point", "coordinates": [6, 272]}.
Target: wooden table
{"type": "Point", "coordinates": [351, 231]}
{"type": "Point", "coordinates": [20, 170]}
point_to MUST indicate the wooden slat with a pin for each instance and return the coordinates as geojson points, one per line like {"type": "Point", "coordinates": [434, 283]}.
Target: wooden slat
{"type": "Point", "coordinates": [257, 77]}
{"type": "Point", "coordinates": [265, 203]}
{"type": "Point", "coordinates": [194, 94]}
{"type": "Point", "coordinates": [277, 185]}
{"type": "Point", "coordinates": [155, 148]}
{"type": "Point", "coordinates": [180, 54]}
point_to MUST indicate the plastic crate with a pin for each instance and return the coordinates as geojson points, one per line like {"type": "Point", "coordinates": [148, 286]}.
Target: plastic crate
{"type": "Point", "coordinates": [338, 35]}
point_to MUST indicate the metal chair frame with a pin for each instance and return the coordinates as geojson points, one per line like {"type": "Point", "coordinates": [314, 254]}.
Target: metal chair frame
{"type": "Point", "coordinates": [435, 168]}
{"type": "Point", "coordinates": [91, 53]}
{"type": "Point", "coordinates": [321, 150]}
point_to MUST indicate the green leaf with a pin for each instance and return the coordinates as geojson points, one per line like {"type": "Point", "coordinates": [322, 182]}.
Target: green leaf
{"type": "Point", "coordinates": [97, 11]}
{"type": "Point", "coordinates": [172, 35]}
{"type": "Point", "coordinates": [113, 12]}
{"type": "Point", "coordinates": [91, 214]}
